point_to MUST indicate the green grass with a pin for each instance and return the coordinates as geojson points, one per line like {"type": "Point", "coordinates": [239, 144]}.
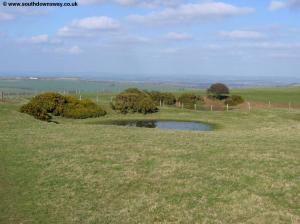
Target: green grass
{"type": "Point", "coordinates": [83, 86]}
{"type": "Point", "coordinates": [275, 95]}
{"type": "Point", "coordinates": [245, 171]}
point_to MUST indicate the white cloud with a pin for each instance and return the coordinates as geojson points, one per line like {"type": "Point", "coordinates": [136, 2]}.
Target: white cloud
{"type": "Point", "coordinates": [291, 4]}
{"type": "Point", "coordinates": [275, 5]}
{"type": "Point", "coordinates": [138, 3]}
{"type": "Point", "coordinates": [242, 34]}
{"type": "Point", "coordinates": [89, 26]}
{"type": "Point", "coordinates": [75, 50]}
{"type": "Point", "coordinates": [43, 38]}
{"type": "Point", "coordinates": [170, 50]}
{"type": "Point", "coordinates": [149, 3]}
{"type": "Point", "coordinates": [272, 45]}
{"type": "Point", "coordinates": [178, 36]}
{"type": "Point", "coordinates": [6, 16]}
{"type": "Point", "coordinates": [192, 12]}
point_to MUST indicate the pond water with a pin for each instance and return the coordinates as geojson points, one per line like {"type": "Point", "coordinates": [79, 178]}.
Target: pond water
{"type": "Point", "coordinates": [178, 125]}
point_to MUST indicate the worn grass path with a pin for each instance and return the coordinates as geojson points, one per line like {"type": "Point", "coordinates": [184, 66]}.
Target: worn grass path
{"type": "Point", "coordinates": [246, 171]}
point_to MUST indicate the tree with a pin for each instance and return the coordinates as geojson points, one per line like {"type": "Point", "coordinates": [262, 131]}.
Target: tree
{"type": "Point", "coordinates": [218, 90]}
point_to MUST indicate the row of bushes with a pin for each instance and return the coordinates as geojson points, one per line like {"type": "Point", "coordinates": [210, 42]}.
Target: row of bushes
{"type": "Point", "coordinates": [45, 105]}
{"type": "Point", "coordinates": [131, 100]}
{"type": "Point", "coordinates": [134, 100]}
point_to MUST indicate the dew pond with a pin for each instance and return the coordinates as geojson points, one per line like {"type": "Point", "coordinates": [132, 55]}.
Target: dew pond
{"type": "Point", "coordinates": [178, 125]}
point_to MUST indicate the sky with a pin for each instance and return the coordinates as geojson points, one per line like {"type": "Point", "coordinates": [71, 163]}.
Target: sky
{"type": "Point", "coordinates": [159, 37]}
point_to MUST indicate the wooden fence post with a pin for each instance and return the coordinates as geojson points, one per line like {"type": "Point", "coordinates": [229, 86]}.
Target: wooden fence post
{"type": "Point", "coordinates": [249, 106]}
{"type": "Point", "coordinates": [211, 107]}
{"type": "Point", "coordinates": [195, 106]}
{"type": "Point", "coordinates": [227, 107]}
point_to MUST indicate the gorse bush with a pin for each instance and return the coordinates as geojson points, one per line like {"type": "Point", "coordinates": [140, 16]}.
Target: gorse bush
{"type": "Point", "coordinates": [44, 105]}
{"type": "Point", "coordinates": [234, 100]}
{"type": "Point", "coordinates": [161, 97]}
{"type": "Point", "coordinates": [134, 100]}
{"type": "Point", "coordinates": [36, 110]}
{"type": "Point", "coordinates": [146, 105]}
{"type": "Point", "coordinates": [190, 99]}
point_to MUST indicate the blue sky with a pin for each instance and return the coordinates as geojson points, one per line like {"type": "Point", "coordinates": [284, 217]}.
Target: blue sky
{"type": "Point", "coordinates": [230, 38]}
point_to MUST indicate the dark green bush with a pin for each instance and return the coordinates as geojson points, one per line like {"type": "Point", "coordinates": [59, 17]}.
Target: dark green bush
{"type": "Point", "coordinates": [218, 90]}
{"type": "Point", "coordinates": [146, 105]}
{"type": "Point", "coordinates": [82, 109]}
{"type": "Point", "coordinates": [234, 100]}
{"type": "Point", "coordinates": [36, 110]}
{"type": "Point", "coordinates": [47, 104]}
{"type": "Point", "coordinates": [134, 100]}
{"type": "Point", "coordinates": [52, 102]}
{"type": "Point", "coordinates": [190, 99]}
{"type": "Point", "coordinates": [163, 97]}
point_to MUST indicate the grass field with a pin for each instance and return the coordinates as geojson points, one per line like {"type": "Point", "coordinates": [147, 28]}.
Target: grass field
{"type": "Point", "coordinates": [247, 170]}
{"type": "Point", "coordinates": [83, 86]}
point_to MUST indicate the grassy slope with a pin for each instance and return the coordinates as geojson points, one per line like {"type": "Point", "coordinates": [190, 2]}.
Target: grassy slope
{"type": "Point", "coordinates": [245, 171]}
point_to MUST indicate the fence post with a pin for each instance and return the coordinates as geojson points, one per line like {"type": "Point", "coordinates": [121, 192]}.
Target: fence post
{"type": "Point", "coordinates": [195, 106]}
{"type": "Point", "coordinates": [249, 106]}
{"type": "Point", "coordinates": [227, 107]}
{"type": "Point", "coordinates": [269, 103]}
{"type": "Point", "coordinates": [79, 97]}
{"type": "Point", "coordinates": [160, 103]}
{"type": "Point", "coordinates": [211, 107]}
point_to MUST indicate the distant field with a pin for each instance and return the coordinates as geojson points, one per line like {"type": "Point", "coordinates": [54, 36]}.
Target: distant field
{"type": "Point", "coordinates": [90, 88]}
{"type": "Point", "coordinates": [275, 94]}
{"type": "Point", "coordinates": [83, 86]}
{"type": "Point", "coordinates": [79, 171]}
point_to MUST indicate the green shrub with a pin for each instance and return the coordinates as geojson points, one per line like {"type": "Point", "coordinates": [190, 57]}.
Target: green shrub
{"type": "Point", "coordinates": [147, 105]}
{"type": "Point", "coordinates": [166, 98]}
{"type": "Point", "coordinates": [190, 99]}
{"type": "Point", "coordinates": [82, 109]}
{"type": "Point", "coordinates": [134, 100]}
{"type": "Point", "coordinates": [218, 90]}
{"type": "Point", "coordinates": [44, 105]}
{"type": "Point", "coordinates": [234, 100]}
{"type": "Point", "coordinates": [52, 102]}
{"type": "Point", "coordinates": [36, 110]}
